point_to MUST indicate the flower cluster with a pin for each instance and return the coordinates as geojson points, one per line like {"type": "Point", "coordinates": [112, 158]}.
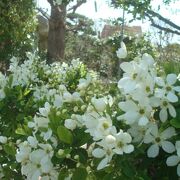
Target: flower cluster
{"type": "Point", "coordinates": [60, 122]}
{"type": "Point", "coordinates": [148, 105]}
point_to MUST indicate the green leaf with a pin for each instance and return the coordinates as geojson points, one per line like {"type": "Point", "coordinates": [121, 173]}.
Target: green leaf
{"type": "Point", "coordinates": [79, 174]}
{"type": "Point", "coordinates": [9, 149]}
{"type": "Point", "coordinates": [64, 135]}
{"type": "Point", "coordinates": [20, 131]}
{"type": "Point", "coordinates": [128, 169]}
{"type": "Point", "coordinates": [175, 123]}
{"type": "Point", "coordinates": [63, 174]}
{"type": "Point", "coordinates": [26, 92]}
{"type": "Point", "coordinates": [108, 176]}
{"type": "Point", "coordinates": [80, 137]}
{"type": "Point", "coordinates": [10, 80]}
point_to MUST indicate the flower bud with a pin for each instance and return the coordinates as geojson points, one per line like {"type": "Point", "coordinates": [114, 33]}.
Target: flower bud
{"type": "Point", "coordinates": [3, 139]}
{"type": "Point", "coordinates": [61, 152]}
{"type": "Point", "coordinates": [99, 104]}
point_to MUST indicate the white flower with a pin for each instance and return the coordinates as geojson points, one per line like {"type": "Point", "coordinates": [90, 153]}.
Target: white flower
{"type": "Point", "coordinates": [23, 152]}
{"type": "Point", "coordinates": [39, 122]}
{"type": "Point", "coordinates": [45, 110]}
{"type": "Point", "coordinates": [98, 126]}
{"type": "Point", "coordinates": [163, 112]}
{"type": "Point", "coordinates": [175, 159]}
{"type": "Point", "coordinates": [32, 141]}
{"type": "Point", "coordinates": [84, 83]}
{"type": "Point", "coordinates": [122, 52]}
{"type": "Point", "coordinates": [58, 101]}
{"type": "Point", "coordinates": [147, 60]}
{"type": "Point", "coordinates": [70, 124]}
{"type": "Point", "coordinates": [48, 149]}
{"type": "Point", "coordinates": [159, 139]}
{"type": "Point", "coordinates": [106, 152]}
{"type": "Point", "coordinates": [99, 104]}
{"type": "Point", "coordinates": [168, 90]}
{"type": "Point", "coordinates": [122, 143]}
{"type": "Point", "coordinates": [164, 105]}
{"type": "Point", "coordinates": [135, 113]}
{"type": "Point", "coordinates": [138, 132]}
{"type": "Point", "coordinates": [46, 134]}
{"type": "Point", "coordinates": [68, 97]}
{"type": "Point", "coordinates": [130, 77]}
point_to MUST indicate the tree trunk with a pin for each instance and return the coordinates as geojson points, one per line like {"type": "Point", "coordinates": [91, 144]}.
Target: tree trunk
{"type": "Point", "coordinates": [56, 35]}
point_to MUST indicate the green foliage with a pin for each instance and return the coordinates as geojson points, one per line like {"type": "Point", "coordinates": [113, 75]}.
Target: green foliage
{"type": "Point", "coordinates": [64, 135]}
{"type": "Point", "coordinates": [137, 8]}
{"type": "Point", "coordinates": [80, 173]}
{"type": "Point", "coordinates": [17, 27]}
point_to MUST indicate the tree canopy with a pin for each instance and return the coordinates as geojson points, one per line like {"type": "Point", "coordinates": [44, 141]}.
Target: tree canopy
{"type": "Point", "coordinates": [17, 25]}
{"type": "Point", "coordinates": [143, 9]}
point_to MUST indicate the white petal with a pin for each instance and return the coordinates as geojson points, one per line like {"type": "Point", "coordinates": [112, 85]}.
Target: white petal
{"type": "Point", "coordinates": [176, 88]}
{"type": "Point", "coordinates": [168, 133]}
{"type": "Point", "coordinates": [171, 78]}
{"type": "Point", "coordinates": [177, 144]}
{"type": "Point", "coordinates": [148, 59]}
{"type": "Point", "coordinates": [168, 146]}
{"type": "Point", "coordinates": [103, 163]}
{"type": "Point", "coordinates": [118, 151]}
{"type": "Point", "coordinates": [154, 130]}
{"type": "Point", "coordinates": [46, 166]}
{"type": "Point", "coordinates": [121, 53]}
{"type": "Point", "coordinates": [127, 138]}
{"type": "Point", "coordinates": [143, 121]}
{"type": "Point", "coordinates": [160, 81]}
{"type": "Point", "coordinates": [172, 160]}
{"type": "Point", "coordinates": [172, 110]}
{"type": "Point", "coordinates": [126, 66]}
{"type": "Point", "coordinates": [128, 148]}
{"type": "Point", "coordinates": [172, 97]}
{"type": "Point", "coordinates": [154, 101]}
{"type": "Point", "coordinates": [130, 117]}
{"type": "Point", "coordinates": [163, 115]}
{"type": "Point", "coordinates": [127, 106]}
{"type": "Point", "coordinates": [153, 151]}
{"type": "Point", "coordinates": [36, 175]}
{"type": "Point", "coordinates": [148, 139]}
{"type": "Point", "coordinates": [178, 170]}
{"type": "Point", "coordinates": [159, 93]}
{"type": "Point", "coordinates": [98, 153]}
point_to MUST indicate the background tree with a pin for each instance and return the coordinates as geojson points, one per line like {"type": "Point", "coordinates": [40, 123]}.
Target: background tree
{"type": "Point", "coordinates": [17, 27]}
{"type": "Point", "coordinates": [57, 27]}
{"type": "Point", "coordinates": [141, 9]}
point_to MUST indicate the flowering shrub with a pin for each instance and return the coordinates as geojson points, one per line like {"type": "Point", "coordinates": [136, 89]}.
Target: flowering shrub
{"type": "Point", "coordinates": [60, 122]}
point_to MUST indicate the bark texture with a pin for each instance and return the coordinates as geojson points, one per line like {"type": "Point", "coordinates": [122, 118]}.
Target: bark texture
{"type": "Point", "coordinates": [56, 35]}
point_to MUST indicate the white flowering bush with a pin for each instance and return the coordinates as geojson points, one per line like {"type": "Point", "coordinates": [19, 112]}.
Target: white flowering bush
{"type": "Point", "coordinates": [61, 122]}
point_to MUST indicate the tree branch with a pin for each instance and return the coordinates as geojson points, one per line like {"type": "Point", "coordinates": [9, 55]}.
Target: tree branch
{"type": "Point", "coordinates": [170, 23]}
{"type": "Point", "coordinates": [43, 13]}
{"type": "Point", "coordinates": [74, 8]}
{"type": "Point", "coordinates": [161, 27]}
